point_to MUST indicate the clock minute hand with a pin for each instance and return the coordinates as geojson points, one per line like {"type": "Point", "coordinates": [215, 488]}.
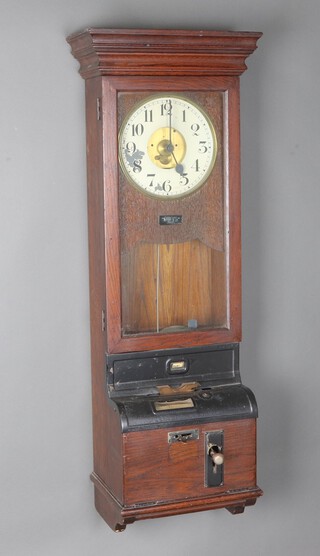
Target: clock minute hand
{"type": "Point", "coordinates": [170, 147]}
{"type": "Point", "coordinates": [179, 167]}
{"type": "Point", "coordinates": [170, 126]}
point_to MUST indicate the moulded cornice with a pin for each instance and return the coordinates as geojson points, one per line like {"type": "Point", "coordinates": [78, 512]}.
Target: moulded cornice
{"type": "Point", "coordinates": [161, 52]}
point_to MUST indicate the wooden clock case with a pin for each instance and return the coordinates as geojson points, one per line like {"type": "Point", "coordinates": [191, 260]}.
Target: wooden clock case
{"type": "Point", "coordinates": [153, 460]}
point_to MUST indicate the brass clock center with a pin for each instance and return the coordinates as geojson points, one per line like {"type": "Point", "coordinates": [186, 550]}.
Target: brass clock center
{"type": "Point", "coordinates": [166, 147]}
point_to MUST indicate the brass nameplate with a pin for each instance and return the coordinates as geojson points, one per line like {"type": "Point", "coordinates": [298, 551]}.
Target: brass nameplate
{"type": "Point", "coordinates": [168, 220]}
{"type": "Point", "coordinates": [174, 404]}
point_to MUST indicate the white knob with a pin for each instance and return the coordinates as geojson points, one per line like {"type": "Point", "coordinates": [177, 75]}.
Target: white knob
{"type": "Point", "coordinates": [217, 457]}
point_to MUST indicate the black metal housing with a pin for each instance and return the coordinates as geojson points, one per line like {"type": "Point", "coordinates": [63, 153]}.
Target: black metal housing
{"type": "Point", "coordinates": [207, 379]}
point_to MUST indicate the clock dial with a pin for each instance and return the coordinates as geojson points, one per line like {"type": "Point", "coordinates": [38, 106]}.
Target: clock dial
{"type": "Point", "coordinates": [167, 146]}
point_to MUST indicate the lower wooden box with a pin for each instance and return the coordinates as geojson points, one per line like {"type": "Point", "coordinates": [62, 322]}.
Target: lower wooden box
{"type": "Point", "coordinates": [162, 478]}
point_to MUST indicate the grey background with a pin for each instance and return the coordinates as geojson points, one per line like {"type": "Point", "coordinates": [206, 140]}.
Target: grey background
{"type": "Point", "coordinates": [46, 502]}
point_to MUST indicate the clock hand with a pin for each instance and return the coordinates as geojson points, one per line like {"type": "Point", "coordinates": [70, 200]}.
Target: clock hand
{"type": "Point", "coordinates": [170, 147]}
{"type": "Point", "coordinates": [179, 167]}
{"type": "Point", "coordinates": [166, 158]}
{"type": "Point", "coordinates": [170, 126]}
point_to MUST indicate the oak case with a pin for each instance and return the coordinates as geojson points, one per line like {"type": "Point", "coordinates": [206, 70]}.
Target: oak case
{"type": "Point", "coordinates": [137, 473]}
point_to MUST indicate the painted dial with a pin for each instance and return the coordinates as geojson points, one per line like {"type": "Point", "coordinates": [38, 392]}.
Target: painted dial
{"type": "Point", "coordinates": [167, 146]}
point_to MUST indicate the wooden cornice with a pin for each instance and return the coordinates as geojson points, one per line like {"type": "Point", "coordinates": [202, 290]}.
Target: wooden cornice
{"type": "Point", "coordinates": [161, 52]}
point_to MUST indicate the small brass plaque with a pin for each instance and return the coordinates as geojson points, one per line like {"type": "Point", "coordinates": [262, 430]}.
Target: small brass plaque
{"type": "Point", "coordinates": [183, 436]}
{"type": "Point", "coordinates": [169, 220]}
{"type": "Point", "coordinates": [174, 404]}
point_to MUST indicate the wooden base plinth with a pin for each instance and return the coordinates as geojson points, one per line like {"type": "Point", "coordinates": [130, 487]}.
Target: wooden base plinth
{"type": "Point", "coordinates": [118, 516]}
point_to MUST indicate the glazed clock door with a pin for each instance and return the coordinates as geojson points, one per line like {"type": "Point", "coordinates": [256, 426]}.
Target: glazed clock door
{"type": "Point", "coordinates": [173, 217]}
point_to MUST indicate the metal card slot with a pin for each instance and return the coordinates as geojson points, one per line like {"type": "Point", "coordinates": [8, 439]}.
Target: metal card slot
{"type": "Point", "coordinates": [183, 436]}
{"type": "Point", "coordinates": [177, 366]}
{"type": "Point", "coordinates": [173, 404]}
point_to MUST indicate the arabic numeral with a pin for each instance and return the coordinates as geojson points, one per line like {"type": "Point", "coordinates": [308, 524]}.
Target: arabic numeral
{"type": "Point", "coordinates": [137, 129]}
{"type": "Point", "coordinates": [131, 148]}
{"type": "Point", "coordinates": [203, 148]}
{"type": "Point", "coordinates": [195, 128]}
{"type": "Point", "coordinates": [166, 108]}
{"type": "Point", "coordinates": [166, 186]}
{"type": "Point", "coordinates": [148, 116]}
{"type": "Point", "coordinates": [151, 184]}
{"type": "Point", "coordinates": [195, 166]}
{"type": "Point", "coordinates": [184, 180]}
{"type": "Point", "coordinates": [137, 166]}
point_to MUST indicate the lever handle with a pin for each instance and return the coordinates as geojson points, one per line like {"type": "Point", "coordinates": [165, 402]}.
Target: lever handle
{"type": "Point", "coordinates": [216, 456]}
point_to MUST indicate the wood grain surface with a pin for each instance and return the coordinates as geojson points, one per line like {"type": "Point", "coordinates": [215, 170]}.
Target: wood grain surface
{"type": "Point", "coordinates": [157, 471]}
{"type": "Point", "coordinates": [191, 280]}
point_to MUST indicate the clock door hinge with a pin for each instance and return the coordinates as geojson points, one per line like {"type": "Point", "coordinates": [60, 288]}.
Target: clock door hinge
{"type": "Point", "coordinates": [98, 108]}
{"type": "Point", "coordinates": [103, 320]}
